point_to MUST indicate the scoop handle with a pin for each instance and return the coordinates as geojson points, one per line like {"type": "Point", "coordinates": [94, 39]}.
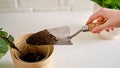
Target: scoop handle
{"type": "Point", "coordinates": [86, 28]}
{"type": "Point", "coordinates": [93, 25]}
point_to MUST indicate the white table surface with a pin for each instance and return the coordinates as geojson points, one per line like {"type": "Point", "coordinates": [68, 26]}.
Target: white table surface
{"type": "Point", "coordinates": [88, 50]}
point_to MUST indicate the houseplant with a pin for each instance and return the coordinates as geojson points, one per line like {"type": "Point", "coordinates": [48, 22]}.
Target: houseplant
{"type": "Point", "coordinates": [111, 4]}
{"type": "Point", "coordinates": [6, 40]}
{"type": "Point", "coordinates": [17, 49]}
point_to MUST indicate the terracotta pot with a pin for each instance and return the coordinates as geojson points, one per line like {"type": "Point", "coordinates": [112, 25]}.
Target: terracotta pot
{"type": "Point", "coordinates": [47, 50]}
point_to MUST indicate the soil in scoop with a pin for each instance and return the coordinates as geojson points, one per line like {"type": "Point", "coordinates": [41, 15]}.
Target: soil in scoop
{"type": "Point", "coordinates": [32, 57]}
{"type": "Point", "coordinates": [42, 38]}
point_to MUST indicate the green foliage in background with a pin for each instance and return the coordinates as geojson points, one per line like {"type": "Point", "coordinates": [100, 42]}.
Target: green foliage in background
{"type": "Point", "coordinates": [4, 44]}
{"type": "Point", "coordinates": [112, 4]}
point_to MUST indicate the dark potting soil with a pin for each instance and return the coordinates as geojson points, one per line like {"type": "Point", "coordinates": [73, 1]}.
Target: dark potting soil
{"type": "Point", "coordinates": [32, 57]}
{"type": "Point", "coordinates": [42, 38]}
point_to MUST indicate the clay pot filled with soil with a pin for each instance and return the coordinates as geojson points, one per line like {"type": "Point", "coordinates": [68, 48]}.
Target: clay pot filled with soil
{"type": "Point", "coordinates": [31, 56]}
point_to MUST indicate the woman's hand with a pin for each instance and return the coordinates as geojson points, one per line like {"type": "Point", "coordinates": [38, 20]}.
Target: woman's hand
{"type": "Point", "coordinates": [109, 17]}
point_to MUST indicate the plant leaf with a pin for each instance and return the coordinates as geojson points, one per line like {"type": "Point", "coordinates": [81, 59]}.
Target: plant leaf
{"type": "Point", "coordinates": [0, 29]}
{"type": "Point", "coordinates": [5, 41]}
{"type": "Point", "coordinates": [98, 1]}
{"type": "Point", "coordinates": [3, 47]}
{"type": "Point", "coordinates": [1, 55]}
{"type": "Point", "coordinates": [3, 33]}
{"type": "Point", "coordinates": [10, 38]}
{"type": "Point", "coordinates": [112, 4]}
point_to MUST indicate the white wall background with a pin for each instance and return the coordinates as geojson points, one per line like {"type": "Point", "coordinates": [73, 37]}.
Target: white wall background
{"type": "Point", "coordinates": [44, 5]}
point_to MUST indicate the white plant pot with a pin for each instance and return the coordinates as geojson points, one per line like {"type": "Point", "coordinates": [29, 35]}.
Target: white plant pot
{"type": "Point", "coordinates": [44, 63]}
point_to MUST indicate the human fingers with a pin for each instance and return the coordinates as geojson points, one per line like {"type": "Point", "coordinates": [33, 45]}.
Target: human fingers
{"type": "Point", "coordinates": [108, 29]}
{"type": "Point", "coordinates": [92, 18]}
{"type": "Point", "coordinates": [112, 29]}
{"type": "Point", "coordinates": [101, 19]}
{"type": "Point", "coordinates": [99, 28]}
{"type": "Point", "coordinates": [95, 16]}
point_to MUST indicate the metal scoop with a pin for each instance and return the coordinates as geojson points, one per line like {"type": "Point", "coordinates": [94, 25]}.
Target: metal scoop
{"type": "Point", "coordinates": [63, 33]}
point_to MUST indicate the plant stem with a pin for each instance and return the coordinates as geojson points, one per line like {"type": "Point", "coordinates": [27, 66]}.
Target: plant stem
{"type": "Point", "coordinates": [12, 45]}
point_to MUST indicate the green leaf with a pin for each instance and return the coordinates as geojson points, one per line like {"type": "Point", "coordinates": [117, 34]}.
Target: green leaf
{"type": "Point", "coordinates": [3, 33]}
{"type": "Point", "coordinates": [4, 43]}
{"type": "Point", "coordinates": [10, 38]}
{"type": "Point", "coordinates": [112, 4]}
{"type": "Point", "coordinates": [1, 55]}
{"type": "Point", "coordinates": [0, 29]}
{"type": "Point", "coordinates": [98, 1]}
{"type": "Point", "coordinates": [3, 47]}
